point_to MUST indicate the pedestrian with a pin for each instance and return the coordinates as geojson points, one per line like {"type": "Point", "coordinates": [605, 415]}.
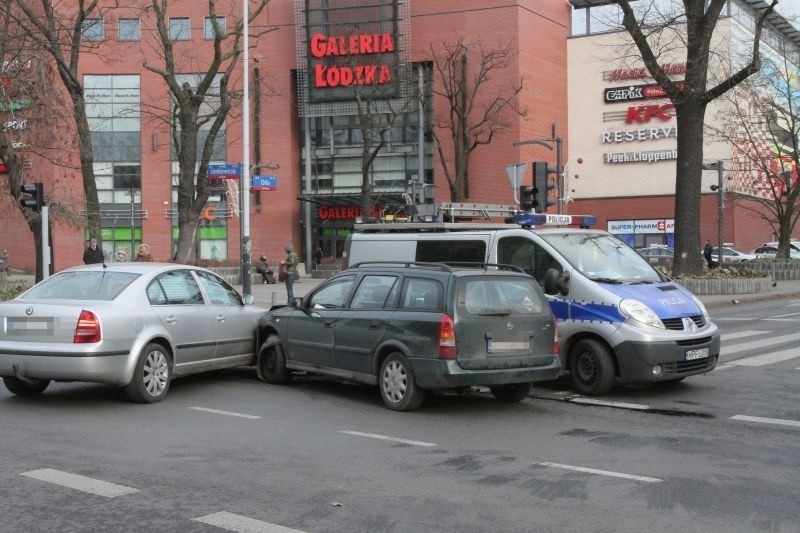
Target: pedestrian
{"type": "Point", "coordinates": [4, 268]}
{"type": "Point", "coordinates": [317, 257]}
{"type": "Point", "coordinates": [121, 254]}
{"type": "Point", "coordinates": [93, 254]}
{"type": "Point", "coordinates": [262, 267]}
{"type": "Point", "coordinates": [707, 254]}
{"type": "Point", "coordinates": [290, 265]}
{"type": "Point", "coordinates": [143, 254]}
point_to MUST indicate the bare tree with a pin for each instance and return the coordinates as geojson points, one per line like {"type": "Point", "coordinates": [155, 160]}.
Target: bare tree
{"type": "Point", "coordinates": [690, 97]}
{"type": "Point", "coordinates": [473, 114]}
{"type": "Point", "coordinates": [206, 101]}
{"type": "Point", "coordinates": [762, 123]}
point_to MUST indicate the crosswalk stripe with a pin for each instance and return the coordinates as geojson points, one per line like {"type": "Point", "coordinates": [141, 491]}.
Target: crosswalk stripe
{"type": "Point", "coordinates": [759, 344]}
{"type": "Point", "coordinates": [740, 334]}
{"type": "Point", "coordinates": [767, 358]}
{"type": "Point", "coordinates": [777, 421]}
{"type": "Point", "coordinates": [77, 482]}
{"type": "Point", "coordinates": [243, 524]}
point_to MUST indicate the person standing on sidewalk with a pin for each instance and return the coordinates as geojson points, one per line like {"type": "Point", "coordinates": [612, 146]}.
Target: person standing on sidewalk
{"type": "Point", "coordinates": [93, 254]}
{"type": "Point", "coordinates": [4, 268]}
{"type": "Point", "coordinates": [290, 263]}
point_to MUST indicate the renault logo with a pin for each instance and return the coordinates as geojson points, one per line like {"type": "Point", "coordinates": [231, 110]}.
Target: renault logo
{"type": "Point", "coordinates": [509, 326]}
{"type": "Point", "coordinates": [689, 325]}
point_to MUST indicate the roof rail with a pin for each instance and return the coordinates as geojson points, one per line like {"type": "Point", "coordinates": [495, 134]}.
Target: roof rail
{"type": "Point", "coordinates": [485, 266]}
{"type": "Point", "coordinates": [405, 264]}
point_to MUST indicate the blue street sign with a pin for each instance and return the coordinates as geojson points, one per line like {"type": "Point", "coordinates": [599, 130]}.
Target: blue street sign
{"type": "Point", "coordinates": [221, 172]}
{"type": "Point", "coordinates": [264, 183]}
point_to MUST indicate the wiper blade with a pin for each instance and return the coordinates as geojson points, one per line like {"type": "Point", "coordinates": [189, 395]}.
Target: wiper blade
{"type": "Point", "coordinates": [607, 280]}
{"type": "Point", "coordinates": [499, 312]}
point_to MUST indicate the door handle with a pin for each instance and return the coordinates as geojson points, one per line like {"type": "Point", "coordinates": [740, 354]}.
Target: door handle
{"type": "Point", "coordinates": [221, 318]}
{"type": "Point", "coordinates": [374, 324]}
{"type": "Point", "coordinates": [171, 320]}
{"type": "Point", "coordinates": [329, 323]}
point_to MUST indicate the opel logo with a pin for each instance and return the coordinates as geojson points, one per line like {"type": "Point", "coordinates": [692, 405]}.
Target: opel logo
{"type": "Point", "coordinates": [29, 311]}
{"type": "Point", "coordinates": [510, 326]}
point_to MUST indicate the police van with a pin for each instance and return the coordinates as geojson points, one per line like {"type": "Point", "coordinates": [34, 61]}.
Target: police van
{"type": "Point", "coordinates": [619, 319]}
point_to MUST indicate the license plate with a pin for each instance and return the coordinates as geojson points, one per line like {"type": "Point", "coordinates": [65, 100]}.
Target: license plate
{"type": "Point", "coordinates": [701, 353]}
{"type": "Point", "coordinates": [496, 347]}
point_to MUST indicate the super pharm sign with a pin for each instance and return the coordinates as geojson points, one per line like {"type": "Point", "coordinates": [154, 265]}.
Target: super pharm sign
{"type": "Point", "coordinates": [344, 61]}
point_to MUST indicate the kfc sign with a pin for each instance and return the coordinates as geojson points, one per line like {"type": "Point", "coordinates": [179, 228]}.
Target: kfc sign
{"type": "Point", "coordinates": [634, 92]}
{"type": "Point", "coordinates": [644, 113]}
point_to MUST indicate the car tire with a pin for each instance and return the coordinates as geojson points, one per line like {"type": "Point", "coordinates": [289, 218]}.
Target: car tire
{"type": "Point", "coordinates": [271, 363]}
{"type": "Point", "coordinates": [152, 376]}
{"type": "Point", "coordinates": [399, 390]}
{"type": "Point", "coordinates": [513, 393]}
{"type": "Point", "coordinates": [30, 387]}
{"type": "Point", "coordinates": [591, 367]}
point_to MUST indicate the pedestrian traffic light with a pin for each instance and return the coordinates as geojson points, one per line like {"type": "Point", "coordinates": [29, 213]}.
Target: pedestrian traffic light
{"type": "Point", "coordinates": [543, 185]}
{"type": "Point", "coordinates": [32, 196]}
{"type": "Point", "coordinates": [527, 197]}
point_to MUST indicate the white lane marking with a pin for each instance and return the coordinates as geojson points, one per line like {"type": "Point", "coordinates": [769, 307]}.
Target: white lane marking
{"type": "Point", "coordinates": [784, 316]}
{"type": "Point", "coordinates": [767, 358]}
{"type": "Point", "coordinates": [384, 437]}
{"type": "Point", "coordinates": [731, 319]}
{"type": "Point", "coordinates": [763, 343]}
{"type": "Point", "coordinates": [217, 411]}
{"type": "Point", "coordinates": [740, 334]}
{"type": "Point", "coordinates": [606, 403]}
{"type": "Point", "coordinates": [78, 482]}
{"type": "Point", "coordinates": [603, 472]}
{"type": "Point", "coordinates": [777, 421]}
{"type": "Point", "coordinates": [779, 319]}
{"type": "Point", "coordinates": [243, 524]}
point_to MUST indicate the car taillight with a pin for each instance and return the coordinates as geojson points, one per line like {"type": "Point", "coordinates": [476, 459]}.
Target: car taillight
{"type": "Point", "coordinates": [88, 328]}
{"type": "Point", "coordinates": [555, 337]}
{"type": "Point", "coordinates": [447, 338]}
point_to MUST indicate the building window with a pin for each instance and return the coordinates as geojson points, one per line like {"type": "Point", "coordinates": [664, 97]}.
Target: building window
{"type": "Point", "coordinates": [92, 30]}
{"type": "Point", "coordinates": [179, 29]}
{"type": "Point", "coordinates": [129, 30]}
{"type": "Point", "coordinates": [208, 27]}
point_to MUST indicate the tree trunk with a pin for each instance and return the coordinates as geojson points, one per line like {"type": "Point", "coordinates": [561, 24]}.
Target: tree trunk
{"type": "Point", "coordinates": [690, 116]}
{"type": "Point", "coordinates": [87, 167]}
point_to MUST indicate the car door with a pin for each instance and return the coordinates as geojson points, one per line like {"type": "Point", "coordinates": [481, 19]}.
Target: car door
{"type": "Point", "coordinates": [310, 333]}
{"type": "Point", "coordinates": [361, 326]}
{"type": "Point", "coordinates": [236, 322]}
{"type": "Point", "coordinates": [176, 298]}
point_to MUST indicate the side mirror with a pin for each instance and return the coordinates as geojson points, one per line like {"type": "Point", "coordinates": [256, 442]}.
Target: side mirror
{"type": "Point", "coordinates": [248, 299]}
{"type": "Point", "coordinates": [297, 302]}
{"type": "Point", "coordinates": [556, 282]}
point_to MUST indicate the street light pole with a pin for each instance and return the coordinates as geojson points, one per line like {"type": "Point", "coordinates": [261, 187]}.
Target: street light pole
{"type": "Point", "coordinates": [244, 184]}
{"type": "Point", "coordinates": [720, 203]}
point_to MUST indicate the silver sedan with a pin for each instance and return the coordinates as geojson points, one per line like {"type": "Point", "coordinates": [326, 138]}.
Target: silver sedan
{"type": "Point", "coordinates": [134, 325]}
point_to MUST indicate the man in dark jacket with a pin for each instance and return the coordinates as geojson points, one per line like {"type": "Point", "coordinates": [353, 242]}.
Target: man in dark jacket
{"type": "Point", "coordinates": [93, 254]}
{"type": "Point", "coordinates": [707, 254]}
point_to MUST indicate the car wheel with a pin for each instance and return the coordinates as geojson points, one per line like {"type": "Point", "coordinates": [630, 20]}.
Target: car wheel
{"type": "Point", "coordinates": [516, 392]}
{"type": "Point", "coordinates": [396, 382]}
{"type": "Point", "coordinates": [271, 366]}
{"type": "Point", "coordinates": [151, 378]}
{"type": "Point", "coordinates": [591, 367]}
{"type": "Point", "coordinates": [31, 387]}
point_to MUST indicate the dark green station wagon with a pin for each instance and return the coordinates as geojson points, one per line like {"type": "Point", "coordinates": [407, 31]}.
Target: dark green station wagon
{"type": "Point", "coordinates": [414, 327]}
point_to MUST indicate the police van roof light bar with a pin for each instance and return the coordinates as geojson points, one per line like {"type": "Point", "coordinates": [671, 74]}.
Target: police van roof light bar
{"type": "Point", "coordinates": [544, 219]}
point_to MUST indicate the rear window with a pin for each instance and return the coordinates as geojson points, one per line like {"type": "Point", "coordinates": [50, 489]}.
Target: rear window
{"type": "Point", "coordinates": [486, 296]}
{"type": "Point", "coordinates": [94, 285]}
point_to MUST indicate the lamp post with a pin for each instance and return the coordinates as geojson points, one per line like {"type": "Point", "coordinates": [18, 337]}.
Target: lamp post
{"type": "Point", "coordinates": [244, 185]}
{"type": "Point", "coordinates": [717, 165]}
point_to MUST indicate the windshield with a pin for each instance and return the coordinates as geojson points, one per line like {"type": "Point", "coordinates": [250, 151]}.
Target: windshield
{"type": "Point", "coordinates": [602, 257]}
{"type": "Point", "coordinates": [94, 285]}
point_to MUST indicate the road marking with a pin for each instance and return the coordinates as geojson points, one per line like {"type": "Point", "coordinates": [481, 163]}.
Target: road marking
{"type": "Point", "coordinates": [243, 524]}
{"type": "Point", "coordinates": [217, 411]}
{"type": "Point", "coordinates": [767, 358]}
{"type": "Point", "coordinates": [731, 319]}
{"type": "Point", "coordinates": [763, 343]}
{"type": "Point", "coordinates": [740, 334]}
{"type": "Point", "coordinates": [77, 482]}
{"type": "Point", "coordinates": [771, 319]}
{"type": "Point", "coordinates": [606, 403]}
{"type": "Point", "coordinates": [776, 421]}
{"type": "Point", "coordinates": [784, 316]}
{"type": "Point", "coordinates": [384, 437]}
{"type": "Point", "coordinates": [603, 472]}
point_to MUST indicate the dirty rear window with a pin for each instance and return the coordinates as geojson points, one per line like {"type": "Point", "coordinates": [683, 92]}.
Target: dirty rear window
{"type": "Point", "coordinates": [486, 296]}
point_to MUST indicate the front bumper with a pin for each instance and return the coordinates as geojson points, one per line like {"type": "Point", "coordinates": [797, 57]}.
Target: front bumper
{"type": "Point", "coordinates": [637, 359]}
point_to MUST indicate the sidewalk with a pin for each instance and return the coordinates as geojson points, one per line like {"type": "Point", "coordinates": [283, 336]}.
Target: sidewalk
{"type": "Point", "coordinates": [782, 289]}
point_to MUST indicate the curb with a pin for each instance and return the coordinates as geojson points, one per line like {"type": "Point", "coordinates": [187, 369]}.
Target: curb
{"type": "Point", "coordinates": [742, 299]}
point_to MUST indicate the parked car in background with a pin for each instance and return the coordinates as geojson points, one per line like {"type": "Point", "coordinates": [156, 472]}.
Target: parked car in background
{"type": "Point", "coordinates": [413, 327]}
{"type": "Point", "coordinates": [135, 325]}
{"type": "Point", "coordinates": [730, 255]}
{"type": "Point", "coordinates": [657, 255]}
{"type": "Point", "coordinates": [770, 250]}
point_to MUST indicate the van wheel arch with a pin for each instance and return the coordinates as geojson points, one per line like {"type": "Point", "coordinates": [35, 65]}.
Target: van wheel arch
{"type": "Point", "coordinates": [596, 352]}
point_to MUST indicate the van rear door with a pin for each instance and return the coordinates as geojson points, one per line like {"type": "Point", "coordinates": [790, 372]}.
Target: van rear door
{"type": "Point", "coordinates": [502, 322]}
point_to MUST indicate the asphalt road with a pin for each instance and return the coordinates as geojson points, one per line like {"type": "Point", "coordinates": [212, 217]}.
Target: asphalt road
{"type": "Point", "coordinates": [225, 452]}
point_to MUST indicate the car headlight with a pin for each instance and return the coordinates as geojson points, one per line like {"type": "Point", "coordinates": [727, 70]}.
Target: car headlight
{"type": "Point", "coordinates": [641, 313]}
{"type": "Point", "coordinates": [702, 308]}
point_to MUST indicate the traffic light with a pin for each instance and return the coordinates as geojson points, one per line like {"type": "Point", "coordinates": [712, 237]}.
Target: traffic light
{"type": "Point", "coordinates": [32, 196]}
{"type": "Point", "coordinates": [527, 198]}
{"type": "Point", "coordinates": [543, 185]}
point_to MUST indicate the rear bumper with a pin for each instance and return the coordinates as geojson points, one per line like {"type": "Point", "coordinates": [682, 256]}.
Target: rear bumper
{"type": "Point", "coordinates": [445, 374]}
{"type": "Point", "coordinates": [110, 368]}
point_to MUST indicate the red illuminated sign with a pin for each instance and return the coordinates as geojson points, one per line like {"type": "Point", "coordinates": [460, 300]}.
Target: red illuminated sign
{"type": "Point", "coordinates": [643, 113]}
{"type": "Point", "coordinates": [637, 73]}
{"type": "Point", "coordinates": [325, 212]}
{"type": "Point", "coordinates": [344, 75]}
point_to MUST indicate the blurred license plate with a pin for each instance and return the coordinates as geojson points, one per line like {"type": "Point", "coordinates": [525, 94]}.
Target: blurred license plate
{"type": "Point", "coordinates": [701, 353]}
{"type": "Point", "coordinates": [495, 346]}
